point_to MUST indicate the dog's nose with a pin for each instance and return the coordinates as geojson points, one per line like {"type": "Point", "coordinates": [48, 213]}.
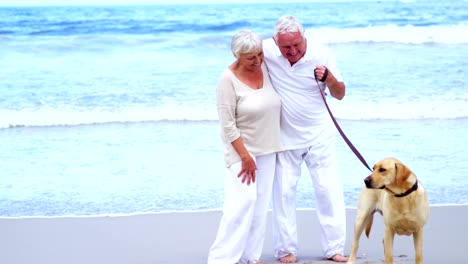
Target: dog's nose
{"type": "Point", "coordinates": [368, 182]}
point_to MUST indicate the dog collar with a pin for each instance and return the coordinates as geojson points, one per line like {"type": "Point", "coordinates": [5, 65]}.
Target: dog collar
{"type": "Point", "coordinates": [412, 189]}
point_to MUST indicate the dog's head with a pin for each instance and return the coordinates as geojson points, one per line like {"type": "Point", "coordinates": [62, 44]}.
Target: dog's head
{"type": "Point", "coordinates": [387, 172]}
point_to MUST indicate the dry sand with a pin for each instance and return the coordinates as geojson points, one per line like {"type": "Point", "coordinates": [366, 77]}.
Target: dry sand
{"type": "Point", "coordinates": [185, 237]}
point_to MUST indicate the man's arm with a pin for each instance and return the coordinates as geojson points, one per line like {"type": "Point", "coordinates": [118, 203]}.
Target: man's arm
{"type": "Point", "coordinates": [337, 89]}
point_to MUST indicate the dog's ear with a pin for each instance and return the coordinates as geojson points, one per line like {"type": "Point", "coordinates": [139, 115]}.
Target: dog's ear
{"type": "Point", "coordinates": [401, 173]}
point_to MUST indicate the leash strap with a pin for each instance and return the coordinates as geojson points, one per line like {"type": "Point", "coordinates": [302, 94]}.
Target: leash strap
{"type": "Point", "coordinates": [351, 146]}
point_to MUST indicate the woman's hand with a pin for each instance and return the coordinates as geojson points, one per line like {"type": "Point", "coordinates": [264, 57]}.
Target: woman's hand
{"type": "Point", "coordinates": [248, 169]}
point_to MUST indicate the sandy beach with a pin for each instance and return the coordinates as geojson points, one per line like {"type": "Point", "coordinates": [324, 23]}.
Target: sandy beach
{"type": "Point", "coordinates": [185, 237]}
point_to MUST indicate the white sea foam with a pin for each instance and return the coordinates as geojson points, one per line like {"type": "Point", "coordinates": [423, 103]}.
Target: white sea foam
{"type": "Point", "coordinates": [445, 34]}
{"type": "Point", "coordinates": [349, 109]}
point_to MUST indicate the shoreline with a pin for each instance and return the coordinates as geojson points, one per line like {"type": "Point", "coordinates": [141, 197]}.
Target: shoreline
{"type": "Point", "coordinates": [186, 236]}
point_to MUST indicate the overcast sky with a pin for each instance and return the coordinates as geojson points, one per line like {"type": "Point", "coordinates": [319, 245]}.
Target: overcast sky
{"type": "Point", "coordinates": [131, 2]}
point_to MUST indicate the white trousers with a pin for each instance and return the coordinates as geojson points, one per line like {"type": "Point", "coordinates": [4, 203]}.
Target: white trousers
{"type": "Point", "coordinates": [241, 232]}
{"type": "Point", "coordinates": [322, 165]}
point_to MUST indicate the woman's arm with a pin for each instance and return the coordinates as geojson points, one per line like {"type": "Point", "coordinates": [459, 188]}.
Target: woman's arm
{"type": "Point", "coordinates": [248, 163]}
{"type": "Point", "coordinates": [227, 104]}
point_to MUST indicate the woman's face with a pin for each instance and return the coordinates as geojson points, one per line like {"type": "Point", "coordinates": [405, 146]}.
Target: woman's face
{"type": "Point", "coordinates": [251, 60]}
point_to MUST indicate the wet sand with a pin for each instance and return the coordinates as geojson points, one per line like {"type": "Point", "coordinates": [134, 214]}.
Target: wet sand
{"type": "Point", "coordinates": [185, 237]}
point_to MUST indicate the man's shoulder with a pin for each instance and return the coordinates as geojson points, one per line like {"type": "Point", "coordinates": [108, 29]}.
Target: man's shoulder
{"type": "Point", "coordinates": [317, 51]}
{"type": "Point", "coordinates": [269, 48]}
{"type": "Point", "coordinates": [268, 41]}
{"type": "Point", "coordinates": [269, 44]}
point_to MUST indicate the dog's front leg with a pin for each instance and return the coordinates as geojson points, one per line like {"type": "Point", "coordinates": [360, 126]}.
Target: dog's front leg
{"type": "Point", "coordinates": [418, 246]}
{"type": "Point", "coordinates": [389, 235]}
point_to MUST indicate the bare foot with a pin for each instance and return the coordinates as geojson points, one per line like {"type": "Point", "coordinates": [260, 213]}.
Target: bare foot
{"type": "Point", "coordinates": [339, 258]}
{"type": "Point", "coordinates": [290, 258]}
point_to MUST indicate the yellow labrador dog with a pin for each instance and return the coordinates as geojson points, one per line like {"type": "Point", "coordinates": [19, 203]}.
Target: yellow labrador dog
{"type": "Point", "coordinates": [393, 190]}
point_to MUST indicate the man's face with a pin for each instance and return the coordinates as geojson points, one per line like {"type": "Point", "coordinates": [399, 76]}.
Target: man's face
{"type": "Point", "coordinates": [292, 45]}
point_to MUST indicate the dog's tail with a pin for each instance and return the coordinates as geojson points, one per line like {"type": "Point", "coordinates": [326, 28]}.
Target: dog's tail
{"type": "Point", "coordinates": [370, 220]}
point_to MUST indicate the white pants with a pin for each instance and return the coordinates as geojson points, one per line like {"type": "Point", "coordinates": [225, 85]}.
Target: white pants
{"type": "Point", "coordinates": [241, 232]}
{"type": "Point", "coordinates": [322, 165]}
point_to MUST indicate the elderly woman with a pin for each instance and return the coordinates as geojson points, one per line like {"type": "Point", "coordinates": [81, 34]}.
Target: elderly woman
{"type": "Point", "coordinates": [249, 114]}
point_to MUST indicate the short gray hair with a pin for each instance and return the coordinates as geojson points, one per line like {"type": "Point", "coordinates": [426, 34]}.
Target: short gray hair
{"type": "Point", "coordinates": [287, 24]}
{"type": "Point", "coordinates": [245, 41]}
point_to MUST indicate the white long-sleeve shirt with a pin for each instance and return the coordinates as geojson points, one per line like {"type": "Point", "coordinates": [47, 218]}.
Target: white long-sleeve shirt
{"type": "Point", "coordinates": [252, 114]}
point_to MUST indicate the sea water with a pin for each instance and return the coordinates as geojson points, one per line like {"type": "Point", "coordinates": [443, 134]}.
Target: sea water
{"type": "Point", "coordinates": [111, 109]}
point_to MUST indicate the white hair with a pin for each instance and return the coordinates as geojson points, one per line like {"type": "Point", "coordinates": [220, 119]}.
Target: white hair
{"type": "Point", "coordinates": [287, 24]}
{"type": "Point", "coordinates": [245, 41]}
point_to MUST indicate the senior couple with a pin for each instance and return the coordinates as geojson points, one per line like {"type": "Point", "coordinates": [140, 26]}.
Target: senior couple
{"type": "Point", "coordinates": [273, 119]}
